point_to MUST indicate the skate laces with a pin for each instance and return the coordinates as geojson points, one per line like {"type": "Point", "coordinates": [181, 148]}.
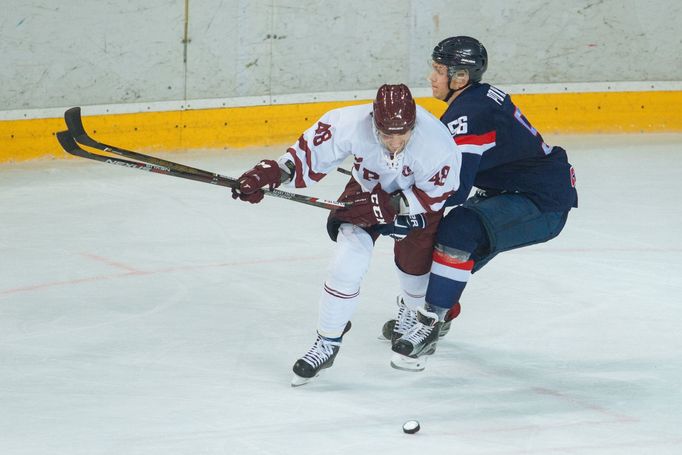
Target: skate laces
{"type": "Point", "coordinates": [320, 352]}
{"type": "Point", "coordinates": [407, 318]}
{"type": "Point", "coordinates": [418, 332]}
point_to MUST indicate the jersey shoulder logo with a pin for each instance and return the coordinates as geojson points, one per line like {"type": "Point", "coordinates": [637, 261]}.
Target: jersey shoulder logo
{"type": "Point", "coordinates": [496, 95]}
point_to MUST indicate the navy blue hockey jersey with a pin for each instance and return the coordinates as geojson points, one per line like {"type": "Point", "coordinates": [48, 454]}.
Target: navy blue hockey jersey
{"type": "Point", "coordinates": [502, 152]}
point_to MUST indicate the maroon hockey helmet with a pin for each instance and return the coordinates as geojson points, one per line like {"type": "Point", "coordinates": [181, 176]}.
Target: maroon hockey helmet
{"type": "Point", "coordinates": [395, 111]}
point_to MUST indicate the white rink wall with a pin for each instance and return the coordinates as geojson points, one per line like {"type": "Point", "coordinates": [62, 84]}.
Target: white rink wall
{"type": "Point", "coordinates": [110, 52]}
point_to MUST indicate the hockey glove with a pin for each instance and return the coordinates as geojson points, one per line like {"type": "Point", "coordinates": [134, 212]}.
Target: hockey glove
{"type": "Point", "coordinates": [251, 182]}
{"type": "Point", "coordinates": [402, 225]}
{"type": "Point", "coordinates": [367, 209]}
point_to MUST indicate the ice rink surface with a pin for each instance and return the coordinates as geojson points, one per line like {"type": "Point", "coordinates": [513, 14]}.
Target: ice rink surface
{"type": "Point", "coordinates": [143, 314]}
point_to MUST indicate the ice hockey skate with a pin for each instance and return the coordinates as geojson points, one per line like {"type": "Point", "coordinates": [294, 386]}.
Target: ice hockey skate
{"type": "Point", "coordinates": [318, 357]}
{"type": "Point", "coordinates": [395, 328]}
{"type": "Point", "coordinates": [389, 332]}
{"type": "Point", "coordinates": [411, 349]}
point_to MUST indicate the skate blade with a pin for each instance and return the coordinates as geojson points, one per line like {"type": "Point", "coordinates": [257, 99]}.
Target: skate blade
{"type": "Point", "coordinates": [298, 381]}
{"type": "Point", "coordinates": [383, 338]}
{"type": "Point", "coordinates": [404, 363]}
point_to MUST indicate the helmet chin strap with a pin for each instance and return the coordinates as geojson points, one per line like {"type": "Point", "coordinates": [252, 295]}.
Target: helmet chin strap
{"type": "Point", "coordinates": [453, 91]}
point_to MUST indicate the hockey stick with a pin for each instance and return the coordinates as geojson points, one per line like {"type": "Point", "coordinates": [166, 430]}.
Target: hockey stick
{"type": "Point", "coordinates": [74, 123]}
{"type": "Point", "coordinates": [159, 166]}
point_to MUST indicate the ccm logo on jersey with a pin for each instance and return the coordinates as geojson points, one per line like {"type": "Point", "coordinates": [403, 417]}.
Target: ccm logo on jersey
{"type": "Point", "coordinates": [376, 209]}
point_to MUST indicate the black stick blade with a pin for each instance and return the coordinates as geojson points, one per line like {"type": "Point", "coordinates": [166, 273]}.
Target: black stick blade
{"type": "Point", "coordinates": [67, 142]}
{"type": "Point", "coordinates": [74, 122]}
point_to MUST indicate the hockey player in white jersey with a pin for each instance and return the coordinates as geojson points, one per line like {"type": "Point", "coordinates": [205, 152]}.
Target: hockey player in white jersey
{"type": "Point", "coordinates": [405, 166]}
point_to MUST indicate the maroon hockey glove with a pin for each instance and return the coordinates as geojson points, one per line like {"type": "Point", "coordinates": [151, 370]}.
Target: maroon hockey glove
{"type": "Point", "coordinates": [367, 209]}
{"type": "Point", "coordinates": [266, 172]}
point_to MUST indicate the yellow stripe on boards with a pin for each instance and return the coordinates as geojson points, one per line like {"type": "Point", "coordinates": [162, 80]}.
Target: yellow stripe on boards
{"type": "Point", "coordinates": [625, 112]}
{"type": "Point", "coordinates": [602, 112]}
{"type": "Point", "coordinates": [22, 140]}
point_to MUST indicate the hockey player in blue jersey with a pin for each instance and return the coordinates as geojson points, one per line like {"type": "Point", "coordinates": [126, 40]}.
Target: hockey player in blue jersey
{"type": "Point", "coordinates": [525, 190]}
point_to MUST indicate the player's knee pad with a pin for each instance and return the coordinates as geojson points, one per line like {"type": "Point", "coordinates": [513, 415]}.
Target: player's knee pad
{"type": "Point", "coordinates": [461, 229]}
{"type": "Point", "coordinates": [351, 259]}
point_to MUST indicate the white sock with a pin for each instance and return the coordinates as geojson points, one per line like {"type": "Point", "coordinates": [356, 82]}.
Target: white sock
{"type": "Point", "coordinates": [413, 288]}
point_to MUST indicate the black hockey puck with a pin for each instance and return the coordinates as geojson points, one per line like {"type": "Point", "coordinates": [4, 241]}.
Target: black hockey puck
{"type": "Point", "coordinates": [411, 427]}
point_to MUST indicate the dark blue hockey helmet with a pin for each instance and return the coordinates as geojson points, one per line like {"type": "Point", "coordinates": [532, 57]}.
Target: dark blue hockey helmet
{"type": "Point", "coordinates": [462, 52]}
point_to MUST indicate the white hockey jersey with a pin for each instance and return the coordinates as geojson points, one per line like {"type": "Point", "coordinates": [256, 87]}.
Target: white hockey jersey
{"type": "Point", "coordinates": [427, 170]}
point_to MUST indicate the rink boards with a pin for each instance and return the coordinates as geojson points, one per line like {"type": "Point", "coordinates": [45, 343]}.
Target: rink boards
{"type": "Point", "coordinates": [175, 126]}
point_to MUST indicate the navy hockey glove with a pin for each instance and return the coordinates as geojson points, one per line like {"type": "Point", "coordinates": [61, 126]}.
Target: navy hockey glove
{"type": "Point", "coordinates": [367, 209]}
{"type": "Point", "coordinates": [402, 225]}
{"type": "Point", "coordinates": [267, 172]}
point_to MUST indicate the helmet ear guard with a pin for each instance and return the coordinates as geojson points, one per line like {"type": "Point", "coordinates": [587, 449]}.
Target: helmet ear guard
{"type": "Point", "coordinates": [458, 72]}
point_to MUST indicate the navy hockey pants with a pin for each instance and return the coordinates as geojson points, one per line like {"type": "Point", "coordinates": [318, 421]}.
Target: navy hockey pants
{"type": "Point", "coordinates": [487, 226]}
